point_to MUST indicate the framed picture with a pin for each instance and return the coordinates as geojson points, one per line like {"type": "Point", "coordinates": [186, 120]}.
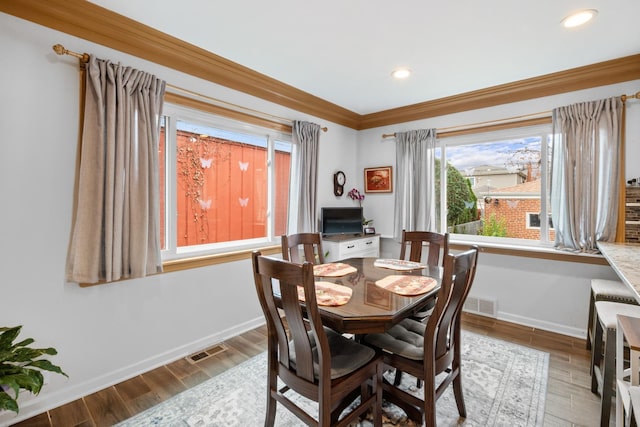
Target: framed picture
{"type": "Point", "coordinates": [378, 180]}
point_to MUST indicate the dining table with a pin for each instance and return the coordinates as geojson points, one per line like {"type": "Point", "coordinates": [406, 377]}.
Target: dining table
{"type": "Point", "coordinates": [372, 308]}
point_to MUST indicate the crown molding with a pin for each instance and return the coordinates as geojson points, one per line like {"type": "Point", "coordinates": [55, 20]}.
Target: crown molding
{"type": "Point", "coordinates": [99, 25]}
{"type": "Point", "coordinates": [594, 75]}
{"type": "Point", "coordinates": [91, 22]}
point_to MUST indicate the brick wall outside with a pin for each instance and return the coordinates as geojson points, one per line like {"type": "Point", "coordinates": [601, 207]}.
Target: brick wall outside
{"type": "Point", "coordinates": [514, 211]}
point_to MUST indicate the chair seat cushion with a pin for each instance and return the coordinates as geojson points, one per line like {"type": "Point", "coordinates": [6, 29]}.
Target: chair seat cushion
{"type": "Point", "coordinates": [611, 290]}
{"type": "Point", "coordinates": [405, 339]}
{"type": "Point", "coordinates": [346, 355]}
{"type": "Point", "coordinates": [608, 310]}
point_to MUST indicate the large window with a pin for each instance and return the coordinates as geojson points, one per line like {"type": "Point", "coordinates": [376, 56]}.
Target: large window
{"type": "Point", "coordinates": [225, 183]}
{"type": "Point", "coordinates": [491, 184]}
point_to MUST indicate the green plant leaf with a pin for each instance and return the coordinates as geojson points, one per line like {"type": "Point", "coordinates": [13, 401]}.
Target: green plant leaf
{"type": "Point", "coordinates": [7, 403]}
{"type": "Point", "coordinates": [46, 366]}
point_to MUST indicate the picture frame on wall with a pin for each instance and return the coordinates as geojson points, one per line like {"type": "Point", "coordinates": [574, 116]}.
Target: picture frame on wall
{"type": "Point", "coordinates": [378, 180]}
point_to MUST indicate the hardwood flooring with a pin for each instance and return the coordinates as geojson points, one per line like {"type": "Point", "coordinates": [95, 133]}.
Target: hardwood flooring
{"type": "Point", "coordinates": [569, 399]}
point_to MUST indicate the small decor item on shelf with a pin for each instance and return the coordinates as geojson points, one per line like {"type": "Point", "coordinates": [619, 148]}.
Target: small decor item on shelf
{"type": "Point", "coordinates": [354, 194]}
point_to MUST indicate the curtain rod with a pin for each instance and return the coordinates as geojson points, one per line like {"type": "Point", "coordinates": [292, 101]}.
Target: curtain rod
{"type": "Point", "coordinates": [507, 120]}
{"type": "Point", "coordinates": [84, 58]}
{"type": "Point", "coordinates": [489, 122]}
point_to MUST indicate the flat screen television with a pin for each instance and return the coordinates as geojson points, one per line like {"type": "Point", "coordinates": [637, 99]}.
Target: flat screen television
{"type": "Point", "coordinates": [336, 221]}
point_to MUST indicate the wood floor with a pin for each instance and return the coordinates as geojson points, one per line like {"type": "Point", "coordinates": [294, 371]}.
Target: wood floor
{"type": "Point", "coordinates": [569, 399]}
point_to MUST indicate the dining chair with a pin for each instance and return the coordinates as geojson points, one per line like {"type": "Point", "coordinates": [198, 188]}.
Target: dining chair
{"type": "Point", "coordinates": [437, 242]}
{"type": "Point", "coordinates": [312, 360]}
{"type": "Point", "coordinates": [425, 350]}
{"type": "Point", "coordinates": [309, 243]}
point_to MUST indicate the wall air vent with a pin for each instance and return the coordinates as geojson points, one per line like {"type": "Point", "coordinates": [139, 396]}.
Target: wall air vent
{"type": "Point", "coordinates": [204, 354]}
{"type": "Point", "coordinates": [483, 306]}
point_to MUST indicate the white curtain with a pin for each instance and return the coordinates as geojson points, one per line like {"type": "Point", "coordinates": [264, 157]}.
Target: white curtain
{"type": "Point", "coordinates": [303, 215]}
{"type": "Point", "coordinates": [586, 173]}
{"type": "Point", "coordinates": [116, 228]}
{"type": "Point", "coordinates": [415, 181]}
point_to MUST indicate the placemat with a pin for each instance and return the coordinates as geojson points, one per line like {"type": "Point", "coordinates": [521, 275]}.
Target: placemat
{"type": "Point", "coordinates": [398, 264]}
{"type": "Point", "coordinates": [407, 285]}
{"type": "Point", "coordinates": [329, 294]}
{"type": "Point", "coordinates": [334, 269]}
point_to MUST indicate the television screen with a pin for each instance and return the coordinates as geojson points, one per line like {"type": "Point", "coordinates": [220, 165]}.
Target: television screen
{"type": "Point", "coordinates": [341, 221]}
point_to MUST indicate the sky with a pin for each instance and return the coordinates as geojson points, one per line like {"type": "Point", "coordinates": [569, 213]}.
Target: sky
{"type": "Point", "coordinates": [504, 154]}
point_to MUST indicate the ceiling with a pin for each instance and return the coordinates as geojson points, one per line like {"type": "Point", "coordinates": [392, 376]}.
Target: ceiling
{"type": "Point", "coordinates": [343, 51]}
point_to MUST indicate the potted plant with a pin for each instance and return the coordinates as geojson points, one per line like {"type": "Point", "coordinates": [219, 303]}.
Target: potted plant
{"type": "Point", "coordinates": [20, 367]}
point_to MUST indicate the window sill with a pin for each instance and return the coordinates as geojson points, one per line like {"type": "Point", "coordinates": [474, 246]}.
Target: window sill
{"type": "Point", "coordinates": [531, 252]}
{"type": "Point", "coordinates": [220, 258]}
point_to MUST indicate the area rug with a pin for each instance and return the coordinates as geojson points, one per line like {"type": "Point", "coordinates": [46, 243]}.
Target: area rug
{"type": "Point", "coordinates": [504, 385]}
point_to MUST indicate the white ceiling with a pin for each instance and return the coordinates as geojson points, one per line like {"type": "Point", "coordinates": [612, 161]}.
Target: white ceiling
{"type": "Point", "coordinates": [343, 51]}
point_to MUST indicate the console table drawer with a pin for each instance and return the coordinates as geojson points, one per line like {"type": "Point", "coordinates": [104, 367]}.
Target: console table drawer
{"type": "Point", "coordinates": [354, 247]}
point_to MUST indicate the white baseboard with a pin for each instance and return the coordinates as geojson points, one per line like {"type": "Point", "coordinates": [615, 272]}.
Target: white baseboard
{"type": "Point", "coordinates": [540, 324]}
{"type": "Point", "coordinates": [49, 399]}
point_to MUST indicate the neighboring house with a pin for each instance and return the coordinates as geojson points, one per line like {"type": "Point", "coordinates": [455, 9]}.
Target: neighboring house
{"type": "Point", "coordinates": [519, 205]}
{"type": "Point", "coordinates": [486, 180]}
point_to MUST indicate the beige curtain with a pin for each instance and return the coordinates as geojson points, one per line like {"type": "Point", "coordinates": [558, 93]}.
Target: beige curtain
{"type": "Point", "coordinates": [586, 173]}
{"type": "Point", "coordinates": [116, 229]}
{"type": "Point", "coordinates": [415, 182]}
{"type": "Point", "coordinates": [303, 216]}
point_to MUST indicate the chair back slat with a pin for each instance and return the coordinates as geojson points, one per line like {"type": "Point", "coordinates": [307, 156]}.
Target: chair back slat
{"type": "Point", "coordinates": [310, 243]}
{"type": "Point", "coordinates": [436, 242]}
{"type": "Point", "coordinates": [443, 325]}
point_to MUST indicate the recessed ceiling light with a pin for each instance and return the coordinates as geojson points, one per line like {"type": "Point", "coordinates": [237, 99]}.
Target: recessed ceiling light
{"type": "Point", "coordinates": [579, 18]}
{"type": "Point", "coordinates": [401, 73]}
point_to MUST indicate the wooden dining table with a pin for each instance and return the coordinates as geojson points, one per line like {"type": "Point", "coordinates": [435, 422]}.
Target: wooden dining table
{"type": "Point", "coordinates": [371, 308]}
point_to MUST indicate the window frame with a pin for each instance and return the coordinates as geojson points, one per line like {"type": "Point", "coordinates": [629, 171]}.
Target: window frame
{"type": "Point", "coordinates": [488, 134]}
{"type": "Point", "coordinates": [173, 113]}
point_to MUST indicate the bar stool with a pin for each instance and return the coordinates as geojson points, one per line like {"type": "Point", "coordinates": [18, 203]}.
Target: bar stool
{"type": "Point", "coordinates": [606, 290]}
{"type": "Point", "coordinates": [603, 353]}
{"type": "Point", "coordinates": [627, 379]}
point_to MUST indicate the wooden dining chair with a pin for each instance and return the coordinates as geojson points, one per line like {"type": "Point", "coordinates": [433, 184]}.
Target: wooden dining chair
{"type": "Point", "coordinates": [309, 243]}
{"type": "Point", "coordinates": [426, 350]}
{"type": "Point", "coordinates": [312, 360]}
{"type": "Point", "coordinates": [416, 241]}
{"type": "Point", "coordinates": [437, 244]}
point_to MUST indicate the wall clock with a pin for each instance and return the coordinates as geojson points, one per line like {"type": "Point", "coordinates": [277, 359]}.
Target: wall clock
{"type": "Point", "coordinates": [338, 183]}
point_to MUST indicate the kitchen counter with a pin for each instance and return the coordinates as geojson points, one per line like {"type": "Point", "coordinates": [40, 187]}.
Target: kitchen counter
{"type": "Point", "coordinates": [624, 258]}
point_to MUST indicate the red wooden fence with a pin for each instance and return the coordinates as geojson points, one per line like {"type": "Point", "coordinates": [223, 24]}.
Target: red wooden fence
{"type": "Point", "coordinates": [222, 190]}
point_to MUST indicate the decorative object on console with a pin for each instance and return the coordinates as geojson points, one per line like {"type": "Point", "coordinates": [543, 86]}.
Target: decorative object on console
{"type": "Point", "coordinates": [378, 180]}
{"type": "Point", "coordinates": [338, 183]}
{"type": "Point", "coordinates": [355, 194]}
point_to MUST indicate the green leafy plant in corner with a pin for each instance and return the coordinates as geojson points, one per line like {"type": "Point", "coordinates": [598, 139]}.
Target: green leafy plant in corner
{"type": "Point", "coordinates": [496, 227]}
{"type": "Point", "coordinates": [20, 367]}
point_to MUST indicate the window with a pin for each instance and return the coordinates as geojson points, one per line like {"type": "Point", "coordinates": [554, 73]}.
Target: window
{"type": "Point", "coordinates": [225, 183]}
{"type": "Point", "coordinates": [492, 185]}
{"type": "Point", "coordinates": [533, 220]}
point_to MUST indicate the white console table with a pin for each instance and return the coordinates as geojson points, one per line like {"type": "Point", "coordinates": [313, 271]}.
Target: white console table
{"type": "Point", "coordinates": [342, 247]}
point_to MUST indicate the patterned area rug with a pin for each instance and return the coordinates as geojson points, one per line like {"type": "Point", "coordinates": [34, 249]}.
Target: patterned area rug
{"type": "Point", "coordinates": [504, 385]}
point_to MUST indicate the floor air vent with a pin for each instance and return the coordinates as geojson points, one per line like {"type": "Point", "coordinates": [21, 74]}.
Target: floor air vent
{"type": "Point", "coordinates": [204, 354]}
{"type": "Point", "coordinates": [483, 306]}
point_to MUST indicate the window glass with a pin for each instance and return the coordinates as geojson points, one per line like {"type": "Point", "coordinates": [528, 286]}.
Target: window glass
{"type": "Point", "coordinates": [223, 186]}
{"type": "Point", "coordinates": [492, 183]}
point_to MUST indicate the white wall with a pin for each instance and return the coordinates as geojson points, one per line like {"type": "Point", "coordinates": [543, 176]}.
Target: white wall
{"type": "Point", "coordinates": [105, 334]}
